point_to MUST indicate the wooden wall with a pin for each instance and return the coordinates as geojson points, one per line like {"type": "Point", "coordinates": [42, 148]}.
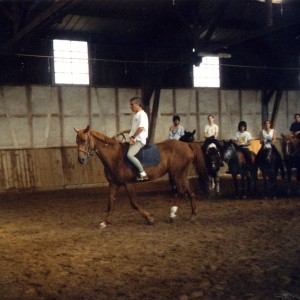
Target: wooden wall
{"type": "Point", "coordinates": [37, 145]}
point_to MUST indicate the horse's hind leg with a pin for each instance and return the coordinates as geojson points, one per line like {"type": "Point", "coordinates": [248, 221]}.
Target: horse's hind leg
{"type": "Point", "coordinates": [132, 197]}
{"type": "Point", "coordinates": [192, 199]}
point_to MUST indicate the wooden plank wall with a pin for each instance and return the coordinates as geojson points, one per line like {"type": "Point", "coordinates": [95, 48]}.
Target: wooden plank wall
{"type": "Point", "coordinates": [46, 169]}
{"type": "Point", "coordinates": [37, 145]}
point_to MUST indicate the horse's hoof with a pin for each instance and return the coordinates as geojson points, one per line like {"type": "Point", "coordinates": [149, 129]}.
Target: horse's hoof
{"type": "Point", "coordinates": [102, 225]}
{"type": "Point", "coordinates": [150, 222]}
{"type": "Point", "coordinates": [172, 219]}
{"type": "Point", "coordinates": [193, 219]}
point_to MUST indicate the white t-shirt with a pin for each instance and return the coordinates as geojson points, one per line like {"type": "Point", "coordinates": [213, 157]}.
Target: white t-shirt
{"type": "Point", "coordinates": [140, 119]}
{"type": "Point", "coordinates": [242, 137]}
{"type": "Point", "coordinates": [211, 130]}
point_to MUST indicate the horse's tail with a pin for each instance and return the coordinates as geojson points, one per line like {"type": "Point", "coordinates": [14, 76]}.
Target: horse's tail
{"type": "Point", "coordinates": [200, 166]}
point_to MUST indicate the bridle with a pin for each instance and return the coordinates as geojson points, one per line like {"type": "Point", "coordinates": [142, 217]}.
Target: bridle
{"type": "Point", "coordinates": [232, 152]}
{"type": "Point", "coordinates": [88, 151]}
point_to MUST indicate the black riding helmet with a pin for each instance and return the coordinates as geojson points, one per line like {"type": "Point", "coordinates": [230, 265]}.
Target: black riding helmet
{"type": "Point", "coordinates": [242, 123]}
{"type": "Point", "coordinates": [176, 118]}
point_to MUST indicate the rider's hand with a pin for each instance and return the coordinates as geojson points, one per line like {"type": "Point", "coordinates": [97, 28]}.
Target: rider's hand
{"type": "Point", "coordinates": [132, 141]}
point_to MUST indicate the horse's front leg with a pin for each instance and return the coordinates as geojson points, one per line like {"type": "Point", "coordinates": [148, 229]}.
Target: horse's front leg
{"type": "Point", "coordinates": [132, 197]}
{"type": "Point", "coordinates": [217, 183]}
{"type": "Point", "coordinates": [236, 184]}
{"type": "Point", "coordinates": [113, 188]}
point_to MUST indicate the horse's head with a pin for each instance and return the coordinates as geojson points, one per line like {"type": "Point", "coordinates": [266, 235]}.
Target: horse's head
{"type": "Point", "coordinates": [267, 154]}
{"type": "Point", "coordinates": [288, 143]}
{"type": "Point", "coordinates": [213, 158]}
{"type": "Point", "coordinates": [188, 136]}
{"type": "Point", "coordinates": [85, 144]}
{"type": "Point", "coordinates": [229, 150]}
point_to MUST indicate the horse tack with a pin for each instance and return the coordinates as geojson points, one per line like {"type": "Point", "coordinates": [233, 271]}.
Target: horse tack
{"type": "Point", "coordinates": [175, 159]}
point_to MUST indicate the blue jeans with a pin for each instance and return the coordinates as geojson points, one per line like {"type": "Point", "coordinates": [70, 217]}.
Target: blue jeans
{"type": "Point", "coordinates": [133, 150]}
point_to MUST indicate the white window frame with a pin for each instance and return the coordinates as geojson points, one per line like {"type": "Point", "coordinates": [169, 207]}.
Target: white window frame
{"type": "Point", "coordinates": [71, 62]}
{"type": "Point", "coordinates": [208, 72]}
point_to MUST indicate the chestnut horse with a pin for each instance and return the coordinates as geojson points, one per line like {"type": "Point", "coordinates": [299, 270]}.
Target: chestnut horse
{"type": "Point", "coordinates": [175, 159]}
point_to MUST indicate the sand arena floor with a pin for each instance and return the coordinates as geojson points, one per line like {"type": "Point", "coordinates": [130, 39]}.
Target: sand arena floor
{"type": "Point", "coordinates": [51, 246]}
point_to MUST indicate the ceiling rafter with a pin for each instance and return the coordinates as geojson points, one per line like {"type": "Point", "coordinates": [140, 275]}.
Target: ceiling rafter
{"type": "Point", "coordinates": [43, 18]}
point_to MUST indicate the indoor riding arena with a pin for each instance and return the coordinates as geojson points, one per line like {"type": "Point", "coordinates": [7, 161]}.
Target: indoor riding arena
{"type": "Point", "coordinates": [60, 235]}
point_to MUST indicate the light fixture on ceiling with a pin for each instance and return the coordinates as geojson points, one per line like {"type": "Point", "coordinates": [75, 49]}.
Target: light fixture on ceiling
{"type": "Point", "coordinates": [220, 54]}
{"type": "Point", "coordinates": [273, 1]}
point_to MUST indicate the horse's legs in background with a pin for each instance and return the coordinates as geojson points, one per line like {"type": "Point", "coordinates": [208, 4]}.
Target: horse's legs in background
{"type": "Point", "coordinates": [211, 185]}
{"type": "Point", "coordinates": [289, 177]}
{"type": "Point", "coordinates": [132, 197]}
{"type": "Point", "coordinates": [298, 180]}
{"type": "Point", "coordinates": [236, 184]}
{"type": "Point", "coordinates": [173, 185]}
{"type": "Point", "coordinates": [217, 183]}
{"type": "Point", "coordinates": [265, 183]}
{"type": "Point", "coordinates": [113, 188]}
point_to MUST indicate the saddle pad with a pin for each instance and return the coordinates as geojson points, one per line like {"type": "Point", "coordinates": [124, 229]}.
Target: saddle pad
{"type": "Point", "coordinates": [148, 156]}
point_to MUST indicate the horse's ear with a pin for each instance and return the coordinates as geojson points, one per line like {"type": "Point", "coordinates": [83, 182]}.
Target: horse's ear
{"type": "Point", "coordinates": [184, 132]}
{"type": "Point", "coordinates": [87, 129]}
{"type": "Point", "coordinates": [77, 130]}
{"type": "Point", "coordinates": [194, 132]}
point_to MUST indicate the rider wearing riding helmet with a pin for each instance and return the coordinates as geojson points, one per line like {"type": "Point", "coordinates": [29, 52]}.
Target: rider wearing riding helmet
{"type": "Point", "coordinates": [242, 139]}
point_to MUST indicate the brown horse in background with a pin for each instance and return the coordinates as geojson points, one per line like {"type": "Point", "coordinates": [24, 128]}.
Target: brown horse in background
{"type": "Point", "coordinates": [175, 159]}
{"type": "Point", "coordinates": [290, 147]}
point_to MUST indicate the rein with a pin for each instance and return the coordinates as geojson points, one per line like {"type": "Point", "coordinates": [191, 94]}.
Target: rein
{"type": "Point", "coordinates": [88, 149]}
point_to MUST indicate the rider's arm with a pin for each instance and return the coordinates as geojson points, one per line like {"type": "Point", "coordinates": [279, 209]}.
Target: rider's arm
{"type": "Point", "coordinates": [137, 132]}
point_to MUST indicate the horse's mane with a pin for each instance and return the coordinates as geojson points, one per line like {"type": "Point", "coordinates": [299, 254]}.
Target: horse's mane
{"type": "Point", "coordinates": [102, 137]}
{"type": "Point", "coordinates": [288, 136]}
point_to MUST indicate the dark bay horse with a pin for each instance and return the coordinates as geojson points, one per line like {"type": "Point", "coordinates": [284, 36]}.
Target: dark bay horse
{"type": "Point", "coordinates": [290, 147]}
{"type": "Point", "coordinates": [270, 162]}
{"type": "Point", "coordinates": [235, 159]}
{"type": "Point", "coordinates": [188, 136]}
{"type": "Point", "coordinates": [175, 159]}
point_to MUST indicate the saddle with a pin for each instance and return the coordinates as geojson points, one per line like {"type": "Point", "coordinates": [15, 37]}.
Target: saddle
{"type": "Point", "coordinates": [148, 156]}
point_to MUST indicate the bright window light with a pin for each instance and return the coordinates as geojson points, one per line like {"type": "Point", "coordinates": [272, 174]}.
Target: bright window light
{"type": "Point", "coordinates": [208, 73]}
{"type": "Point", "coordinates": [71, 64]}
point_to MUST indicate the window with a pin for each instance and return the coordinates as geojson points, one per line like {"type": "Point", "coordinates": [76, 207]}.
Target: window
{"type": "Point", "coordinates": [208, 73]}
{"type": "Point", "coordinates": [71, 62]}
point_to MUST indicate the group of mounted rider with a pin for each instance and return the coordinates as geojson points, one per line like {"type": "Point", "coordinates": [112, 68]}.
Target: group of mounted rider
{"type": "Point", "coordinates": [268, 158]}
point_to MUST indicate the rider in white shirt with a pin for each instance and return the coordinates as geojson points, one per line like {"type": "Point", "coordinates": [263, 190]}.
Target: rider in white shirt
{"type": "Point", "coordinates": [242, 139]}
{"type": "Point", "coordinates": [211, 132]}
{"type": "Point", "coordinates": [137, 135]}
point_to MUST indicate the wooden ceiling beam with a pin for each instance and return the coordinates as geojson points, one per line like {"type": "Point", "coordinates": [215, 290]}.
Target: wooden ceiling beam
{"type": "Point", "coordinates": [43, 18]}
{"type": "Point", "coordinates": [251, 36]}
